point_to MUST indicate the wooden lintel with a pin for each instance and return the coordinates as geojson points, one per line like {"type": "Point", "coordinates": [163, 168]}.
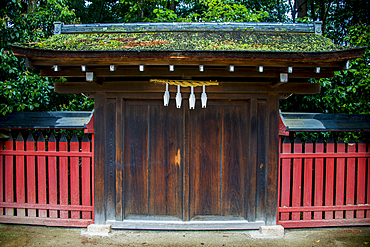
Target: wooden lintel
{"type": "Point", "coordinates": [144, 87]}
{"type": "Point", "coordinates": [185, 72]}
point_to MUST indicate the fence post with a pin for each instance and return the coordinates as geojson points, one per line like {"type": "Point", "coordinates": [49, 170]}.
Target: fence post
{"type": "Point", "coordinates": [307, 197]}
{"type": "Point", "coordinates": [319, 178]}
{"type": "Point", "coordinates": [20, 189]}
{"type": "Point", "coordinates": [1, 176]}
{"type": "Point", "coordinates": [63, 175]}
{"type": "Point", "coordinates": [41, 176]}
{"type": "Point", "coordinates": [361, 179]}
{"type": "Point", "coordinates": [86, 177]}
{"type": "Point", "coordinates": [52, 165]}
{"type": "Point", "coordinates": [31, 175]}
{"type": "Point", "coordinates": [285, 179]}
{"type": "Point", "coordinates": [339, 196]}
{"type": "Point", "coordinates": [329, 189]}
{"type": "Point", "coordinates": [351, 179]}
{"type": "Point", "coordinates": [75, 176]}
{"type": "Point", "coordinates": [297, 178]}
{"type": "Point", "coordinates": [9, 189]}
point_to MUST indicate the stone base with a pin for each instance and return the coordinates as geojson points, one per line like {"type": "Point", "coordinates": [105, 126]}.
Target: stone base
{"type": "Point", "coordinates": [269, 232]}
{"type": "Point", "coordinates": [97, 230]}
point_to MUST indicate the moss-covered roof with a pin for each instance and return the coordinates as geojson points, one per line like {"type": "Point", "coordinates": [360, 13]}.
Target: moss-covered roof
{"type": "Point", "coordinates": [188, 41]}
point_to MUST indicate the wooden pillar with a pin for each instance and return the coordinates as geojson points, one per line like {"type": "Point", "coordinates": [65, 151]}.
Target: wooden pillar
{"type": "Point", "coordinates": [273, 158]}
{"type": "Point", "coordinates": [99, 158]}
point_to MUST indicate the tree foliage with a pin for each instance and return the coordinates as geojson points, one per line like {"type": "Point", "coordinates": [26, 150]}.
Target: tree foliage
{"type": "Point", "coordinates": [22, 89]}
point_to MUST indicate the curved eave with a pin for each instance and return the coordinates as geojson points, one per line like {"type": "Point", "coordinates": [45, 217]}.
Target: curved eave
{"type": "Point", "coordinates": [347, 54]}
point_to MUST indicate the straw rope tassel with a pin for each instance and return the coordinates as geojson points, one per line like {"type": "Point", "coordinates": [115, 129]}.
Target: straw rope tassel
{"type": "Point", "coordinates": [166, 96]}
{"type": "Point", "coordinates": [178, 97]}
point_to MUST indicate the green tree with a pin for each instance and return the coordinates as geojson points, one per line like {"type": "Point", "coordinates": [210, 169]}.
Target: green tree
{"type": "Point", "coordinates": [22, 89]}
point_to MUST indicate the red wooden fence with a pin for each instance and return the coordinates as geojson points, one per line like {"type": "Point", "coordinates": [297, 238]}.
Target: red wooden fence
{"type": "Point", "coordinates": [324, 184]}
{"type": "Point", "coordinates": [52, 186]}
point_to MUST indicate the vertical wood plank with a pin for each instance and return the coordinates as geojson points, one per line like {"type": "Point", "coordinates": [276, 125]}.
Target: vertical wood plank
{"type": "Point", "coordinates": [307, 191]}
{"type": "Point", "coordinates": [186, 209]}
{"type": "Point", "coordinates": [234, 159]}
{"type": "Point", "coordinates": [63, 176]}
{"type": "Point", "coordinates": [261, 160]}
{"type": "Point", "coordinates": [75, 176]}
{"type": "Point", "coordinates": [351, 179]}
{"type": "Point", "coordinates": [31, 175]}
{"type": "Point", "coordinates": [297, 179]}
{"type": "Point", "coordinates": [285, 179]}
{"type": "Point", "coordinates": [252, 164]}
{"type": "Point", "coordinates": [330, 176]}
{"type": "Point", "coordinates": [85, 177]}
{"type": "Point", "coordinates": [361, 179]}
{"type": "Point", "coordinates": [119, 126]}
{"type": "Point", "coordinates": [99, 157]}
{"type": "Point", "coordinates": [110, 154]}
{"type": "Point", "coordinates": [272, 146]}
{"type": "Point", "coordinates": [136, 159]}
{"type": "Point", "coordinates": [9, 174]}
{"type": "Point", "coordinates": [206, 159]}
{"type": "Point", "coordinates": [319, 179]}
{"type": "Point", "coordinates": [52, 176]}
{"type": "Point", "coordinates": [165, 160]}
{"type": "Point", "coordinates": [20, 179]}
{"type": "Point", "coordinates": [340, 179]}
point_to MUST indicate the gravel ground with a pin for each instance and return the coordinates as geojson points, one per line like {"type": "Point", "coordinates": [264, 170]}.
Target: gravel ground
{"type": "Point", "coordinates": [20, 235]}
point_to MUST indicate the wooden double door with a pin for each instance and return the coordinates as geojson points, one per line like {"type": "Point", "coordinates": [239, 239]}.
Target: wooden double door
{"type": "Point", "coordinates": [162, 163]}
{"type": "Point", "coordinates": [188, 164]}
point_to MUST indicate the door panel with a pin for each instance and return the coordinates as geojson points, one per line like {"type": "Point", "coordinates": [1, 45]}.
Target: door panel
{"type": "Point", "coordinates": [154, 149]}
{"type": "Point", "coordinates": [136, 160]}
{"type": "Point", "coordinates": [205, 156]}
{"type": "Point", "coordinates": [165, 160]}
{"type": "Point", "coordinates": [153, 159]}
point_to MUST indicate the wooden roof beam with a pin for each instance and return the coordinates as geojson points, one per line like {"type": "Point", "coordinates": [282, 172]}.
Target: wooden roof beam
{"type": "Point", "coordinates": [181, 72]}
{"type": "Point", "coordinates": [223, 87]}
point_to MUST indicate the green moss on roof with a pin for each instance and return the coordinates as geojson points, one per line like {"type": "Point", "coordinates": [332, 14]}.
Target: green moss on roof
{"type": "Point", "coordinates": [188, 41]}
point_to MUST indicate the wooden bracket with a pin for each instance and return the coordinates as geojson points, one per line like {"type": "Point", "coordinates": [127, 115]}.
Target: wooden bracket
{"type": "Point", "coordinates": [29, 64]}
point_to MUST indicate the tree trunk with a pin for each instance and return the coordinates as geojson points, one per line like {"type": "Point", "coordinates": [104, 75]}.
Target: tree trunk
{"type": "Point", "coordinates": [302, 8]}
{"type": "Point", "coordinates": [31, 6]}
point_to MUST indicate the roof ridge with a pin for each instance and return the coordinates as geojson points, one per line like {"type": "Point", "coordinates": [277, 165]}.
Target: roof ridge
{"type": "Point", "coordinates": [315, 27]}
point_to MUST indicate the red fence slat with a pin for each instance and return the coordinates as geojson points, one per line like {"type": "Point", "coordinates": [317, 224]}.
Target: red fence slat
{"type": "Point", "coordinates": [20, 179]}
{"type": "Point", "coordinates": [340, 179]}
{"type": "Point", "coordinates": [368, 183]}
{"type": "Point", "coordinates": [285, 180]}
{"type": "Point", "coordinates": [63, 176]}
{"type": "Point", "coordinates": [85, 177]}
{"type": "Point", "coordinates": [307, 190]}
{"type": "Point", "coordinates": [361, 180]}
{"type": "Point", "coordinates": [319, 179]}
{"type": "Point", "coordinates": [52, 178]}
{"type": "Point", "coordinates": [41, 176]}
{"type": "Point", "coordinates": [297, 179]}
{"type": "Point", "coordinates": [351, 180]}
{"type": "Point", "coordinates": [1, 176]}
{"type": "Point", "coordinates": [75, 176]}
{"type": "Point", "coordinates": [9, 190]}
{"type": "Point", "coordinates": [329, 188]}
{"type": "Point", "coordinates": [31, 175]}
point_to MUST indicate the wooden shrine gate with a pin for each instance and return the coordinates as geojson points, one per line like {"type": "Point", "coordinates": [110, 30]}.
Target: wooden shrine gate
{"type": "Point", "coordinates": [324, 184]}
{"type": "Point", "coordinates": [182, 167]}
{"type": "Point", "coordinates": [43, 183]}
